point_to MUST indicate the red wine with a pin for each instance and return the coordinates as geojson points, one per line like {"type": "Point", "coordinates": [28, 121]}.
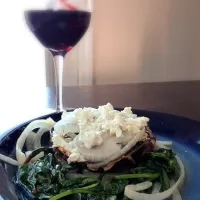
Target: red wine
{"type": "Point", "coordinates": [60, 30]}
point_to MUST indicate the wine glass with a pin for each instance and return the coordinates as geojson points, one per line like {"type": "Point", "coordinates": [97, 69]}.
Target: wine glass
{"type": "Point", "coordinates": [58, 25]}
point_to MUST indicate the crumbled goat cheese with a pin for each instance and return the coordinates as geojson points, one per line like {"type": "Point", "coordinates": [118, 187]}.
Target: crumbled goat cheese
{"type": "Point", "coordinates": [96, 125]}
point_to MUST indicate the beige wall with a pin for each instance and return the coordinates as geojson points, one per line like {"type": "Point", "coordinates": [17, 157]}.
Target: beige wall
{"type": "Point", "coordinates": [146, 40]}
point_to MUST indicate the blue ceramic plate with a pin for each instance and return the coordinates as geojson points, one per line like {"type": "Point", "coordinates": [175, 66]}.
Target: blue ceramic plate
{"type": "Point", "coordinates": [184, 133]}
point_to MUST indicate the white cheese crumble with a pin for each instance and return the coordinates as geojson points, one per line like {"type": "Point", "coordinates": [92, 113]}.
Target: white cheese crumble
{"type": "Point", "coordinates": [95, 126]}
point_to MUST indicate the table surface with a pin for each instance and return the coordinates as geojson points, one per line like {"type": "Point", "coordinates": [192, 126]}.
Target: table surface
{"type": "Point", "coordinates": [178, 98]}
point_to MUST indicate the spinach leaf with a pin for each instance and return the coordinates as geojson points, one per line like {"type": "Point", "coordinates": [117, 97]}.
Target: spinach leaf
{"type": "Point", "coordinates": [116, 187]}
{"type": "Point", "coordinates": [124, 198]}
{"type": "Point", "coordinates": [164, 180]}
{"type": "Point", "coordinates": [148, 176]}
{"type": "Point", "coordinates": [46, 177]}
{"type": "Point", "coordinates": [160, 159]}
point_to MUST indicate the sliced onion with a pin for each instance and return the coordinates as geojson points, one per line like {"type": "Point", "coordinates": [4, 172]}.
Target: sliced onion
{"type": "Point", "coordinates": [176, 195]}
{"type": "Point", "coordinates": [68, 115]}
{"type": "Point", "coordinates": [37, 157]}
{"type": "Point", "coordinates": [51, 121]}
{"type": "Point", "coordinates": [41, 131]}
{"type": "Point", "coordinates": [68, 124]}
{"type": "Point", "coordinates": [28, 153]}
{"type": "Point", "coordinates": [165, 143]}
{"type": "Point", "coordinates": [160, 146]}
{"type": "Point", "coordinates": [156, 188]}
{"type": "Point", "coordinates": [133, 194]}
{"type": "Point", "coordinates": [8, 160]}
{"type": "Point", "coordinates": [138, 187]}
{"type": "Point", "coordinates": [30, 141]}
{"type": "Point", "coordinates": [38, 136]}
{"type": "Point", "coordinates": [123, 151]}
{"type": "Point", "coordinates": [21, 140]}
{"type": "Point", "coordinates": [71, 135]}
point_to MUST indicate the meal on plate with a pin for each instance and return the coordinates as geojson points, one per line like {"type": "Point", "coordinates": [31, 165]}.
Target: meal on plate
{"type": "Point", "coordinates": [96, 154]}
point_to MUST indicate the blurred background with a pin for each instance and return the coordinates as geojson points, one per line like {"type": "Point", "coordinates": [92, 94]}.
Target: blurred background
{"type": "Point", "coordinates": [130, 41]}
{"type": "Point", "coordinates": [139, 41]}
{"type": "Point", "coordinates": [146, 41]}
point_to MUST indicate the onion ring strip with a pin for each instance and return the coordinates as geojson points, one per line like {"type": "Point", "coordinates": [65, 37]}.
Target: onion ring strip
{"type": "Point", "coordinates": [133, 194]}
{"type": "Point", "coordinates": [21, 140]}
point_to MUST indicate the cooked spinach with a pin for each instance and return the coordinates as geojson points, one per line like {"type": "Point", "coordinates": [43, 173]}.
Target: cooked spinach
{"type": "Point", "coordinates": [162, 162]}
{"type": "Point", "coordinates": [46, 178]}
{"type": "Point", "coordinates": [150, 176]}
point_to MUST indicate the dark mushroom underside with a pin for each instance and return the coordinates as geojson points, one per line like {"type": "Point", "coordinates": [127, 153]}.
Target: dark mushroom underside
{"type": "Point", "coordinates": [133, 156]}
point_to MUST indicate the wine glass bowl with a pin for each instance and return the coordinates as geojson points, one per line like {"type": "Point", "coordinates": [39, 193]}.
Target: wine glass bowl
{"type": "Point", "coordinates": [58, 30]}
{"type": "Point", "coordinates": [59, 27]}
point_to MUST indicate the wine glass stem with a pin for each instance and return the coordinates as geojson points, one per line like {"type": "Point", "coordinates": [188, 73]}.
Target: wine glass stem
{"type": "Point", "coordinates": [58, 65]}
